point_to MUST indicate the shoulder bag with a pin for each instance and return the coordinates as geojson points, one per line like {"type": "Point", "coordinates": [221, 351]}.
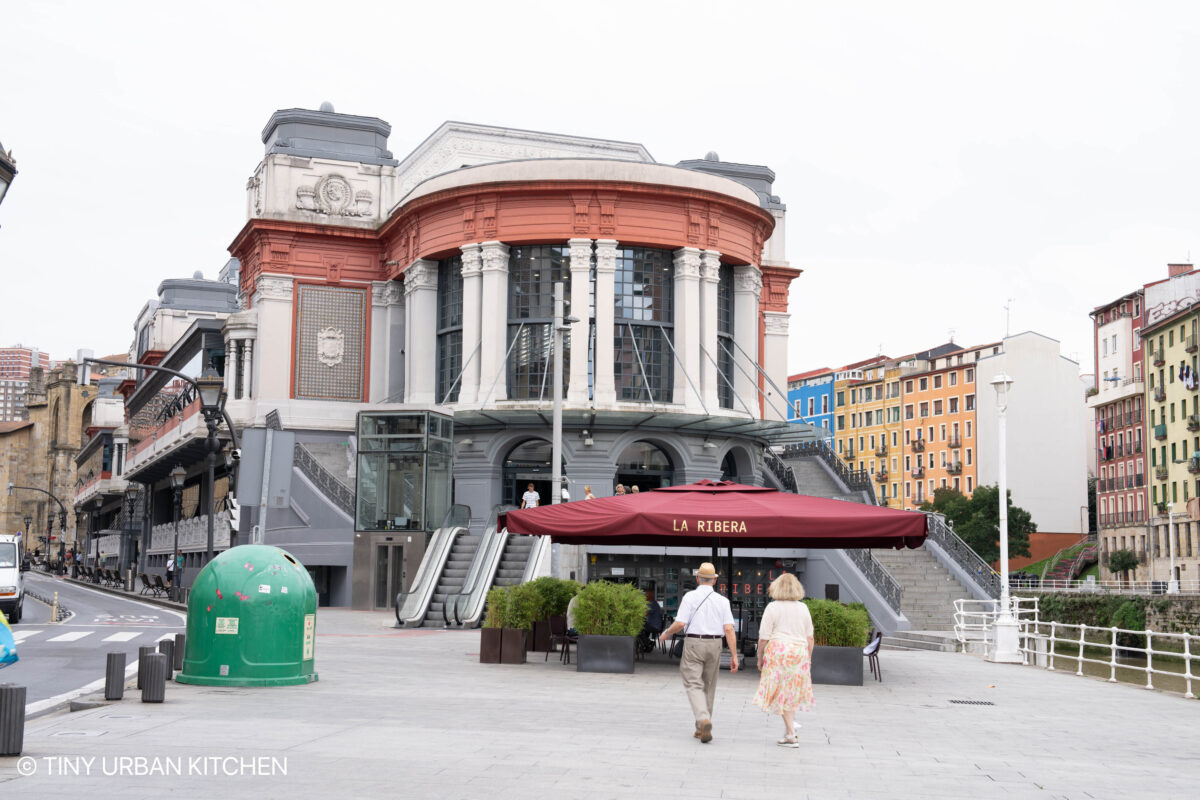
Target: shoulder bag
{"type": "Point", "coordinates": [677, 648]}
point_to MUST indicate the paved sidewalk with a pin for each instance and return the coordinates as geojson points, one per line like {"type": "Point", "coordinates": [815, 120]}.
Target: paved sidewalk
{"type": "Point", "coordinates": [413, 714]}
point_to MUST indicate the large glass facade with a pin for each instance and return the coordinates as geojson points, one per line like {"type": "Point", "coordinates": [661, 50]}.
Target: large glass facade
{"type": "Point", "coordinates": [404, 471]}
{"type": "Point", "coordinates": [532, 272]}
{"type": "Point", "coordinates": [449, 329]}
{"type": "Point", "coordinates": [725, 336]}
{"type": "Point", "coordinates": [644, 317]}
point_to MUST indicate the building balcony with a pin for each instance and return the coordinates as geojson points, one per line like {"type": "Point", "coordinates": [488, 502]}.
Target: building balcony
{"type": "Point", "coordinates": [1157, 357]}
{"type": "Point", "coordinates": [101, 485]}
{"type": "Point", "coordinates": [919, 472]}
{"type": "Point", "coordinates": [881, 451]}
{"type": "Point", "coordinates": [1194, 465]}
{"type": "Point", "coordinates": [955, 468]}
{"type": "Point", "coordinates": [1161, 473]}
{"type": "Point", "coordinates": [881, 476]}
{"type": "Point", "coordinates": [1135, 448]}
{"type": "Point", "coordinates": [1139, 480]}
{"type": "Point", "coordinates": [955, 442]}
{"type": "Point", "coordinates": [1189, 343]}
{"type": "Point", "coordinates": [848, 456]}
{"type": "Point", "coordinates": [1193, 423]}
{"type": "Point", "coordinates": [918, 445]}
{"type": "Point", "coordinates": [1160, 432]}
{"type": "Point", "coordinates": [193, 534]}
{"type": "Point", "coordinates": [1160, 395]}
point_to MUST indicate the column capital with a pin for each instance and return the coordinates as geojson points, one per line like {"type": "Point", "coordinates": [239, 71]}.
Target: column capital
{"type": "Point", "coordinates": [747, 278]}
{"type": "Point", "coordinates": [776, 322]}
{"type": "Point", "coordinates": [710, 266]}
{"type": "Point", "coordinates": [687, 263]}
{"type": "Point", "coordinates": [472, 260]}
{"type": "Point", "coordinates": [495, 257]}
{"type": "Point", "coordinates": [606, 255]}
{"type": "Point", "coordinates": [273, 287]}
{"type": "Point", "coordinates": [421, 274]}
{"type": "Point", "coordinates": [386, 293]}
{"type": "Point", "coordinates": [581, 250]}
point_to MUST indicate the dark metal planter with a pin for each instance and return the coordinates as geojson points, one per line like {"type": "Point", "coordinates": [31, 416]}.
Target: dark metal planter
{"type": "Point", "coordinates": [840, 666]}
{"type": "Point", "coordinates": [539, 639]}
{"type": "Point", "coordinates": [489, 646]}
{"type": "Point", "coordinates": [512, 646]}
{"type": "Point", "coordinates": [605, 653]}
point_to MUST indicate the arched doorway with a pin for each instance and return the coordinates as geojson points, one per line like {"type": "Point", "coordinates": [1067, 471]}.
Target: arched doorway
{"type": "Point", "coordinates": [645, 466]}
{"type": "Point", "coordinates": [729, 470]}
{"type": "Point", "coordinates": [528, 462]}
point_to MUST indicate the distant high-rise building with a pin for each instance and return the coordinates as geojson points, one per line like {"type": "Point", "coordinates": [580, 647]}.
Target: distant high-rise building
{"type": "Point", "coordinates": [15, 364]}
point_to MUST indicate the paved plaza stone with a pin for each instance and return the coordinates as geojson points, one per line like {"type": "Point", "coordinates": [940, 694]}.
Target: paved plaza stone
{"type": "Point", "coordinates": [413, 714]}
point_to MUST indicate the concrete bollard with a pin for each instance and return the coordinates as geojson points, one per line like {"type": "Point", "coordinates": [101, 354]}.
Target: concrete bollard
{"type": "Point", "coordinates": [154, 682]}
{"type": "Point", "coordinates": [12, 719]}
{"type": "Point", "coordinates": [143, 652]}
{"type": "Point", "coordinates": [114, 677]}
{"type": "Point", "coordinates": [167, 648]}
{"type": "Point", "coordinates": [180, 639]}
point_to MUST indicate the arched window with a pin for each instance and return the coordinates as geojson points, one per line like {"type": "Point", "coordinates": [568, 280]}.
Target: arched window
{"type": "Point", "coordinates": [529, 462]}
{"type": "Point", "coordinates": [532, 272]}
{"type": "Point", "coordinates": [449, 329]}
{"type": "Point", "coordinates": [644, 320]}
{"type": "Point", "coordinates": [644, 465]}
{"type": "Point", "coordinates": [725, 337]}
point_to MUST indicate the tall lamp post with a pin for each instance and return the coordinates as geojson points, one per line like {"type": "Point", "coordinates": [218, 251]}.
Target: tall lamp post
{"type": "Point", "coordinates": [560, 325]}
{"type": "Point", "coordinates": [178, 476]}
{"type": "Point", "coordinates": [62, 518]}
{"type": "Point", "coordinates": [127, 543]}
{"type": "Point", "coordinates": [1172, 580]}
{"type": "Point", "coordinates": [212, 399]}
{"type": "Point", "coordinates": [1005, 640]}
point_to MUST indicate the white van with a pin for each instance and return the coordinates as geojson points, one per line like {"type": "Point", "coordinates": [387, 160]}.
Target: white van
{"type": "Point", "coordinates": [12, 585]}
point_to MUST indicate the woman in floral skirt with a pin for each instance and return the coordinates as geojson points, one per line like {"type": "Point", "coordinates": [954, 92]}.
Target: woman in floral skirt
{"type": "Point", "coordinates": [785, 643]}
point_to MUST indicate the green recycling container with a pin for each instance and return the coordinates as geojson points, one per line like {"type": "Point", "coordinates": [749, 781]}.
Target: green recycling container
{"type": "Point", "coordinates": [251, 621]}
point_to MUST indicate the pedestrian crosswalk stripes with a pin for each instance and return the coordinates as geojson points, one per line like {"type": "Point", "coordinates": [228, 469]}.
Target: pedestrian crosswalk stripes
{"type": "Point", "coordinates": [73, 636]}
{"type": "Point", "coordinates": [33, 635]}
{"type": "Point", "coordinates": [122, 636]}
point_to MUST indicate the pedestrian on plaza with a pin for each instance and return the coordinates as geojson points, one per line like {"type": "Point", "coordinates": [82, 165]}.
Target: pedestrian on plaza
{"type": "Point", "coordinates": [587, 493]}
{"type": "Point", "coordinates": [566, 493]}
{"type": "Point", "coordinates": [785, 645]}
{"type": "Point", "coordinates": [530, 498]}
{"type": "Point", "coordinates": [635, 489]}
{"type": "Point", "coordinates": [171, 571]}
{"type": "Point", "coordinates": [705, 618]}
{"type": "Point", "coordinates": [620, 489]}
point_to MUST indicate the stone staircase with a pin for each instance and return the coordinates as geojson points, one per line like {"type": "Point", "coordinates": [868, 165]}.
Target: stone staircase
{"type": "Point", "coordinates": [1067, 569]}
{"type": "Point", "coordinates": [929, 588]}
{"type": "Point", "coordinates": [937, 641]}
{"type": "Point", "coordinates": [452, 578]}
{"type": "Point", "coordinates": [814, 479]}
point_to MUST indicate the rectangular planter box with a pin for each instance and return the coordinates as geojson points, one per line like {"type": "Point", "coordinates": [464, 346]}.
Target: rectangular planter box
{"type": "Point", "coordinates": [489, 646]}
{"type": "Point", "coordinates": [605, 653]}
{"type": "Point", "coordinates": [841, 666]}
{"type": "Point", "coordinates": [512, 645]}
{"type": "Point", "coordinates": [539, 639]}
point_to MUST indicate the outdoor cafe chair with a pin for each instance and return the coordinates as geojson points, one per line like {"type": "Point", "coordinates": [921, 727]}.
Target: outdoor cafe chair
{"type": "Point", "coordinates": [871, 651]}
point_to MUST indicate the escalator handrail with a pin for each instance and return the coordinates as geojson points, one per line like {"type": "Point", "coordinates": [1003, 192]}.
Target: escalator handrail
{"type": "Point", "coordinates": [491, 551]}
{"type": "Point", "coordinates": [416, 603]}
{"type": "Point", "coordinates": [536, 551]}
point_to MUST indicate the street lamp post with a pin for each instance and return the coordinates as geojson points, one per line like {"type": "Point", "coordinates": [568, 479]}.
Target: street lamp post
{"type": "Point", "coordinates": [560, 325]}
{"type": "Point", "coordinates": [1005, 645]}
{"type": "Point", "coordinates": [211, 389]}
{"type": "Point", "coordinates": [178, 475]}
{"type": "Point", "coordinates": [62, 538]}
{"type": "Point", "coordinates": [1173, 580]}
{"type": "Point", "coordinates": [62, 517]}
{"type": "Point", "coordinates": [127, 541]}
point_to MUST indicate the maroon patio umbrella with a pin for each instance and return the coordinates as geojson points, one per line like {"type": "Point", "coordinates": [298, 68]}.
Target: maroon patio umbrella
{"type": "Point", "coordinates": [720, 514]}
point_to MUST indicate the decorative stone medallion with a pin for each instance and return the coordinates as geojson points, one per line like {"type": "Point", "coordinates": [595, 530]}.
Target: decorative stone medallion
{"type": "Point", "coordinates": [331, 345]}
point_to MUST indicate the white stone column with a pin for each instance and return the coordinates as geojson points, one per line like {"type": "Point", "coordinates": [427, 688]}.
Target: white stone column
{"type": "Point", "coordinates": [231, 365]}
{"type": "Point", "coordinates": [710, 277]}
{"type": "Point", "coordinates": [379, 356]}
{"type": "Point", "coordinates": [581, 288]}
{"type": "Point", "coordinates": [420, 345]}
{"type": "Point", "coordinates": [493, 324]}
{"type": "Point", "coordinates": [775, 347]}
{"type": "Point", "coordinates": [604, 390]}
{"type": "Point", "coordinates": [747, 285]}
{"type": "Point", "coordinates": [273, 300]}
{"type": "Point", "coordinates": [472, 276]}
{"type": "Point", "coordinates": [687, 328]}
{"type": "Point", "coordinates": [247, 369]}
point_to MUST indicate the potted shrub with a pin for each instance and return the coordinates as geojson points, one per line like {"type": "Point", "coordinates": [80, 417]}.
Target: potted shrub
{"type": "Point", "coordinates": [493, 625]}
{"type": "Point", "coordinates": [840, 633]}
{"type": "Point", "coordinates": [522, 607]}
{"type": "Point", "coordinates": [556, 595]}
{"type": "Point", "coordinates": [608, 617]}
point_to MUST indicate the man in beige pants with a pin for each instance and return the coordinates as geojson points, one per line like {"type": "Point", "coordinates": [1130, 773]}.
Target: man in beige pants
{"type": "Point", "coordinates": [706, 617]}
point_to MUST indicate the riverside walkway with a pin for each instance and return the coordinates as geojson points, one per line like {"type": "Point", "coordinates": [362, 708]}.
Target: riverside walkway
{"type": "Point", "coordinates": [413, 714]}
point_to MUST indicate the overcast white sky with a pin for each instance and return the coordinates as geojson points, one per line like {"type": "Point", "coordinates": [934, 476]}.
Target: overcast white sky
{"type": "Point", "coordinates": [935, 158]}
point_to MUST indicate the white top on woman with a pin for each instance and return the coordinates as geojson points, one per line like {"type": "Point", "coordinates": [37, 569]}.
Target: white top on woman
{"type": "Point", "coordinates": [530, 499]}
{"type": "Point", "coordinates": [786, 621]}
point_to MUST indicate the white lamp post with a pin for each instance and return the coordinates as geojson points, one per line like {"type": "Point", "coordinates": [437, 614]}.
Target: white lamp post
{"type": "Point", "coordinates": [1173, 580]}
{"type": "Point", "coordinates": [1005, 646]}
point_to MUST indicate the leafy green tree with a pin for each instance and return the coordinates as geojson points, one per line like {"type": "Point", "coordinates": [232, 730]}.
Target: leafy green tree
{"type": "Point", "coordinates": [976, 519]}
{"type": "Point", "coordinates": [1121, 560]}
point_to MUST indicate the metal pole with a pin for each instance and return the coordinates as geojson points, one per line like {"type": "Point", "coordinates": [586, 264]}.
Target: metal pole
{"type": "Point", "coordinates": [178, 582]}
{"type": "Point", "coordinates": [556, 415]}
{"type": "Point", "coordinates": [1005, 643]}
{"type": "Point", "coordinates": [211, 421]}
{"type": "Point", "coordinates": [1172, 581]}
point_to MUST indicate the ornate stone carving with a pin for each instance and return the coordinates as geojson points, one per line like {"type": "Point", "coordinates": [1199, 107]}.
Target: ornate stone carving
{"type": "Point", "coordinates": [421, 274]}
{"type": "Point", "coordinates": [710, 266]}
{"type": "Point", "coordinates": [255, 185]}
{"type": "Point", "coordinates": [747, 278]}
{"type": "Point", "coordinates": [333, 195]}
{"type": "Point", "coordinates": [581, 253]}
{"type": "Point", "coordinates": [386, 293]}
{"type": "Point", "coordinates": [687, 263]}
{"type": "Point", "coordinates": [331, 345]}
{"type": "Point", "coordinates": [606, 255]}
{"type": "Point", "coordinates": [472, 260]}
{"type": "Point", "coordinates": [495, 257]}
{"type": "Point", "coordinates": [271, 287]}
{"type": "Point", "coordinates": [775, 322]}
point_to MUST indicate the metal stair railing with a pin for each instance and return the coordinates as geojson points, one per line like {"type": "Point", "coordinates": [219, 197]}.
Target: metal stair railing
{"type": "Point", "coordinates": [961, 553]}
{"type": "Point", "coordinates": [782, 472]}
{"type": "Point", "coordinates": [878, 576]}
{"type": "Point", "coordinates": [329, 484]}
{"type": "Point", "coordinates": [858, 480]}
{"type": "Point", "coordinates": [411, 606]}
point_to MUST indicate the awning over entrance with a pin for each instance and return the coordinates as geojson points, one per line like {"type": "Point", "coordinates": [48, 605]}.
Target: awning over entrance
{"type": "Point", "coordinates": [725, 514]}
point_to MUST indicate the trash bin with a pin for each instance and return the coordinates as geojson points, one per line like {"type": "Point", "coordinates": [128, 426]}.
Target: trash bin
{"type": "Point", "coordinates": [251, 621]}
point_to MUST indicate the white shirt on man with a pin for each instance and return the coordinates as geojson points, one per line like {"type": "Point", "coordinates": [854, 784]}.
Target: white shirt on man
{"type": "Point", "coordinates": [530, 499]}
{"type": "Point", "coordinates": [704, 617]}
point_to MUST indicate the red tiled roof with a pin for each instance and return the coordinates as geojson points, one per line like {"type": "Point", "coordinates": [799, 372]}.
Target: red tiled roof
{"type": "Point", "coordinates": [809, 374]}
{"type": "Point", "coordinates": [9, 427]}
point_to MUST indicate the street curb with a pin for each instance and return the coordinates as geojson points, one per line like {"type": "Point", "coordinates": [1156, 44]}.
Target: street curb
{"type": "Point", "coordinates": [158, 601]}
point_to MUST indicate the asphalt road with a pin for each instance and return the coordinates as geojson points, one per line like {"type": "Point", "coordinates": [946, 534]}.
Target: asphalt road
{"type": "Point", "coordinates": [59, 658]}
